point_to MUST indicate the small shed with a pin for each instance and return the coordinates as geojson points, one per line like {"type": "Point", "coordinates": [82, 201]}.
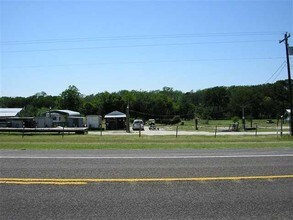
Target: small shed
{"type": "Point", "coordinates": [93, 121]}
{"type": "Point", "coordinates": [115, 121]}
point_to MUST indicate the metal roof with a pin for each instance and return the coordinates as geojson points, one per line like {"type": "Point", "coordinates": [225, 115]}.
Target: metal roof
{"type": "Point", "coordinates": [115, 114]}
{"type": "Point", "coordinates": [67, 112]}
{"type": "Point", "coordinates": [9, 112]}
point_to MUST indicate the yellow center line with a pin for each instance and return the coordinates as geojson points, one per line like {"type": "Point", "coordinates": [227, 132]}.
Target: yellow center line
{"type": "Point", "coordinates": [81, 181]}
{"type": "Point", "coordinates": [42, 183]}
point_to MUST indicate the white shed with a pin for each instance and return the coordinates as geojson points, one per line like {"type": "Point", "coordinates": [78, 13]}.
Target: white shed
{"type": "Point", "coordinates": [93, 121]}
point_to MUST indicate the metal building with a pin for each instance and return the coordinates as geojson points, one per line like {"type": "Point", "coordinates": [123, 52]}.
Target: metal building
{"type": "Point", "coordinates": [115, 121]}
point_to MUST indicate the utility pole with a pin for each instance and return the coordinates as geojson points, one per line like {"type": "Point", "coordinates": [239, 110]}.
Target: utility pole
{"type": "Point", "coordinates": [196, 121]}
{"type": "Point", "coordinates": [243, 119]}
{"type": "Point", "coordinates": [127, 118]}
{"type": "Point", "coordinates": [286, 36]}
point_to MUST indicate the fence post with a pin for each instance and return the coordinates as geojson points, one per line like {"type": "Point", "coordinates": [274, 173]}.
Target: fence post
{"type": "Point", "coordinates": [281, 126]}
{"type": "Point", "coordinates": [216, 130]}
{"type": "Point", "coordinates": [23, 129]}
{"type": "Point", "coordinates": [101, 129]}
{"type": "Point", "coordinates": [277, 128]}
{"type": "Point", "coordinates": [196, 123]}
{"type": "Point", "coordinates": [256, 130]}
{"type": "Point", "coordinates": [176, 131]}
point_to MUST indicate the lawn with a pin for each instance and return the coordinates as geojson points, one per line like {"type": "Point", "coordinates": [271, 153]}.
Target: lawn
{"type": "Point", "coordinates": [210, 125]}
{"type": "Point", "coordinates": [17, 141]}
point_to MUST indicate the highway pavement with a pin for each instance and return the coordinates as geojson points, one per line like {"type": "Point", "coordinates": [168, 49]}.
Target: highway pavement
{"type": "Point", "coordinates": [146, 184]}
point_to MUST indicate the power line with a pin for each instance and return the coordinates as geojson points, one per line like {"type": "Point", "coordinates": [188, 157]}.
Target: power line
{"type": "Point", "coordinates": [137, 37]}
{"type": "Point", "coordinates": [156, 115]}
{"type": "Point", "coordinates": [279, 73]}
{"type": "Point", "coordinates": [143, 62]}
{"type": "Point", "coordinates": [134, 46]}
{"type": "Point", "coordinates": [280, 68]}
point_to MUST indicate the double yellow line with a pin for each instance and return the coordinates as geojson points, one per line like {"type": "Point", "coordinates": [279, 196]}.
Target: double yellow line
{"type": "Point", "coordinates": [84, 181]}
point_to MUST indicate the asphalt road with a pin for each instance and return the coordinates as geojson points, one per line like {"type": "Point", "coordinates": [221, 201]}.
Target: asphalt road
{"type": "Point", "coordinates": [38, 195]}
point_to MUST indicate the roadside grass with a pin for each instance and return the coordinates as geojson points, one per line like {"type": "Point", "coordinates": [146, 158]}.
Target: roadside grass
{"type": "Point", "coordinates": [209, 125]}
{"type": "Point", "coordinates": [46, 142]}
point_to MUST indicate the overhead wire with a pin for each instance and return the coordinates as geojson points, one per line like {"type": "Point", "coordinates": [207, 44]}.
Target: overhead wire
{"type": "Point", "coordinates": [143, 62]}
{"type": "Point", "coordinates": [157, 115]}
{"type": "Point", "coordinates": [279, 73]}
{"type": "Point", "coordinates": [137, 37]}
{"type": "Point", "coordinates": [280, 68]}
{"type": "Point", "coordinates": [133, 46]}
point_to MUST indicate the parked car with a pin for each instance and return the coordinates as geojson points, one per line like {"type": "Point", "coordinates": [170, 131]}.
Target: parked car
{"type": "Point", "coordinates": [138, 124]}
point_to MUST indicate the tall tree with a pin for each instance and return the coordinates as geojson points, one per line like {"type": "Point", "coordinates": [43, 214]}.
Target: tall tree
{"type": "Point", "coordinates": [71, 99]}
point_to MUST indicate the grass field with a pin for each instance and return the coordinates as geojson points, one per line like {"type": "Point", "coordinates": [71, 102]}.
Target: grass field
{"type": "Point", "coordinates": [16, 141]}
{"type": "Point", "coordinates": [209, 125]}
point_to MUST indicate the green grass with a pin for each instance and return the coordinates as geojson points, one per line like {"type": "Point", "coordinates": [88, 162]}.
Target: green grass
{"type": "Point", "coordinates": [210, 125]}
{"type": "Point", "coordinates": [16, 141]}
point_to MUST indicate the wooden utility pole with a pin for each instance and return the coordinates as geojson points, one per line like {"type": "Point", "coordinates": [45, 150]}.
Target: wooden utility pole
{"type": "Point", "coordinates": [127, 119]}
{"type": "Point", "coordinates": [243, 119]}
{"type": "Point", "coordinates": [286, 36]}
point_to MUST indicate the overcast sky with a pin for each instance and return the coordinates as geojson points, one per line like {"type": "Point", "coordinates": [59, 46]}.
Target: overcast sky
{"type": "Point", "coordinates": [141, 45]}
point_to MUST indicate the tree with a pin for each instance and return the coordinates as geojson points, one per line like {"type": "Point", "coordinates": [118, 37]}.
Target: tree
{"type": "Point", "coordinates": [261, 101]}
{"type": "Point", "coordinates": [186, 107]}
{"type": "Point", "coordinates": [41, 94]}
{"type": "Point", "coordinates": [28, 111]}
{"type": "Point", "coordinates": [71, 99]}
{"type": "Point", "coordinates": [89, 109]}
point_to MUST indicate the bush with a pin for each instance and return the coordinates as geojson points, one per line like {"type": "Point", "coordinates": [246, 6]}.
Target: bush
{"type": "Point", "coordinates": [174, 120]}
{"type": "Point", "coordinates": [235, 119]}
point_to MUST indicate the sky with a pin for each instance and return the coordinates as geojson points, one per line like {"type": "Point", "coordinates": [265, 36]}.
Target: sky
{"type": "Point", "coordinates": [141, 45]}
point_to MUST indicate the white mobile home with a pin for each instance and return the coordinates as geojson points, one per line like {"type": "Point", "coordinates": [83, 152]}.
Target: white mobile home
{"type": "Point", "coordinates": [64, 118]}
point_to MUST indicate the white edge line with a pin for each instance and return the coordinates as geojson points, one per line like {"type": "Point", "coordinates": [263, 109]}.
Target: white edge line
{"type": "Point", "coordinates": [146, 157]}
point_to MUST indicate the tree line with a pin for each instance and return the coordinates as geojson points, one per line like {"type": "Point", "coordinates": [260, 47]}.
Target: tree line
{"type": "Point", "coordinates": [260, 101]}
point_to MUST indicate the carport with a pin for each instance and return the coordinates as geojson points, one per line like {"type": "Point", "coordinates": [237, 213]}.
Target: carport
{"type": "Point", "coordinates": [115, 121]}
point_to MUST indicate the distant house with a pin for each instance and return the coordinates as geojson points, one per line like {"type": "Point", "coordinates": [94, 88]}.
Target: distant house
{"type": "Point", "coordinates": [6, 114]}
{"type": "Point", "coordinates": [115, 121]}
{"type": "Point", "coordinates": [64, 118]}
